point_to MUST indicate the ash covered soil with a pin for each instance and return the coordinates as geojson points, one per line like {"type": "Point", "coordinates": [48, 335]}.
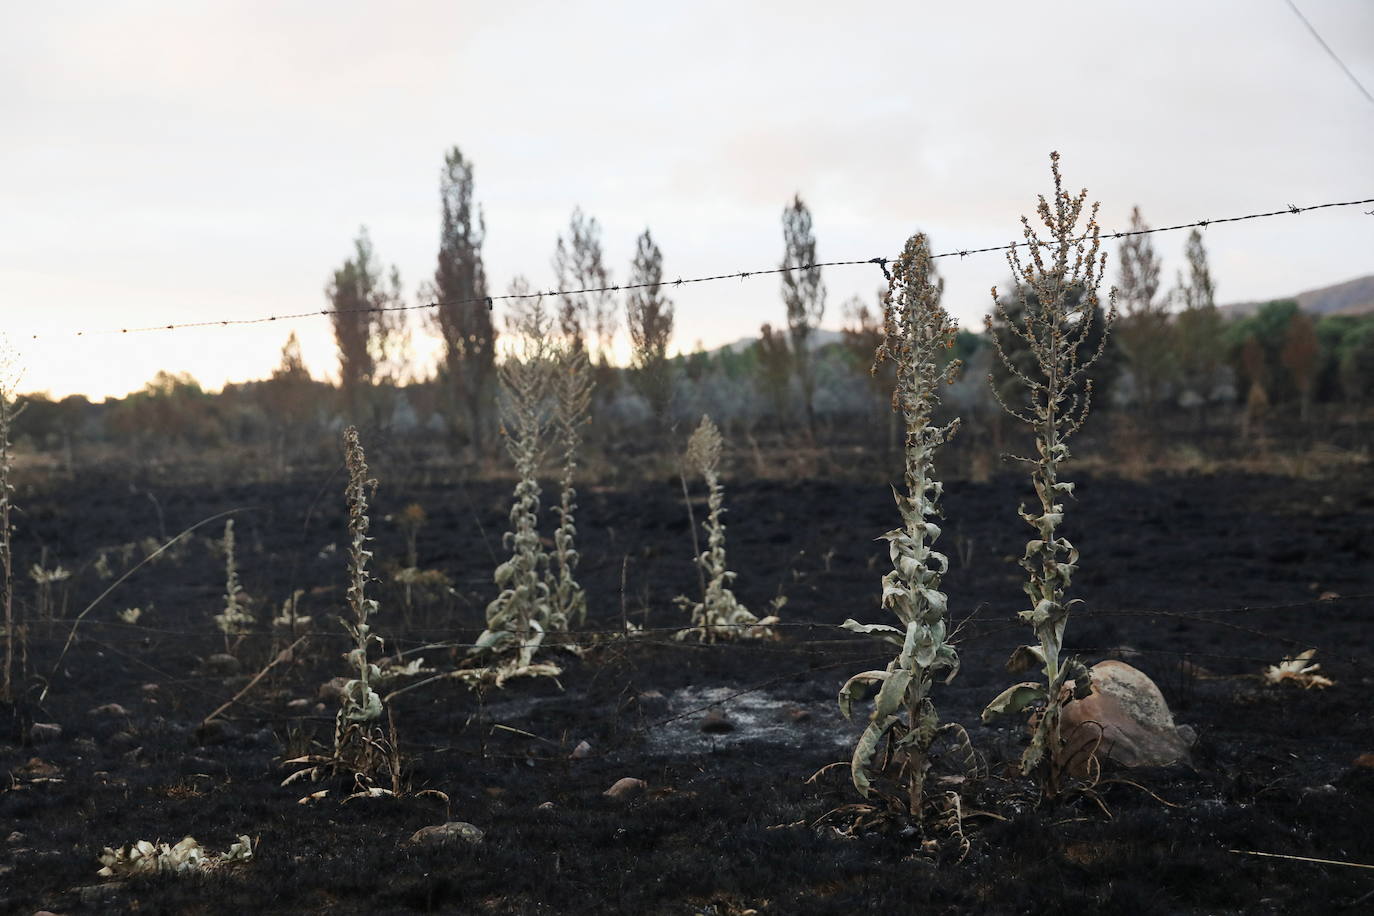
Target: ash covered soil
{"type": "Point", "coordinates": [722, 826]}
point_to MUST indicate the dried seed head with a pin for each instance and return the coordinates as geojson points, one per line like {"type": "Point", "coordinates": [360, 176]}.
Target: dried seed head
{"type": "Point", "coordinates": [704, 448]}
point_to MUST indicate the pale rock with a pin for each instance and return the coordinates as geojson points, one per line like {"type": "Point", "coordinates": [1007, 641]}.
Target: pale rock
{"type": "Point", "coordinates": [628, 787]}
{"type": "Point", "coordinates": [1128, 712]}
{"type": "Point", "coordinates": [443, 834]}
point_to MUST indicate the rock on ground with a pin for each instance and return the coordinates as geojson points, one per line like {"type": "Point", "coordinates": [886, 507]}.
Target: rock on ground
{"type": "Point", "coordinates": [1128, 712]}
{"type": "Point", "coordinates": [452, 832]}
{"type": "Point", "coordinates": [628, 787]}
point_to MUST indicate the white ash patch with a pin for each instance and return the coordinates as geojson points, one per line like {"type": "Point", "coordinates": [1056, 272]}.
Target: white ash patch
{"type": "Point", "coordinates": [758, 717]}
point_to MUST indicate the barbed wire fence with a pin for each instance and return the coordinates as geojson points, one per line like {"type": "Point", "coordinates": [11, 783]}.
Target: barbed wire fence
{"type": "Point", "coordinates": [816, 634]}
{"type": "Point", "coordinates": [802, 638]}
{"type": "Point", "coordinates": [880, 261]}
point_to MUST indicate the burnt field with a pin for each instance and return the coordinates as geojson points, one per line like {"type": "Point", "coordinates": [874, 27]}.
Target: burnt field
{"type": "Point", "coordinates": [1199, 581]}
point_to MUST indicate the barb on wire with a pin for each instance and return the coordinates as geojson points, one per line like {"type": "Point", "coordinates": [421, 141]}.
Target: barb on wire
{"type": "Point", "coordinates": [738, 275]}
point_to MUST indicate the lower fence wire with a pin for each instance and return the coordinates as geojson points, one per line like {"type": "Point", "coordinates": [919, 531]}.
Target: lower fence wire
{"type": "Point", "coordinates": [619, 638]}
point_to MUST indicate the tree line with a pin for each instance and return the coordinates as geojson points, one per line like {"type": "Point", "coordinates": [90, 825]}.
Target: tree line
{"type": "Point", "coordinates": [1173, 351]}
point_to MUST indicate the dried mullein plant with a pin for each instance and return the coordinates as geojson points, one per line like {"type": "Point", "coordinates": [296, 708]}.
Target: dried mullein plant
{"type": "Point", "coordinates": [572, 399]}
{"type": "Point", "coordinates": [519, 616]}
{"type": "Point", "coordinates": [45, 579]}
{"type": "Point", "coordinates": [1057, 295]}
{"type": "Point", "coordinates": [719, 614]}
{"type": "Point", "coordinates": [1299, 671]}
{"type": "Point", "coordinates": [234, 621]}
{"type": "Point", "coordinates": [291, 619]}
{"type": "Point", "coordinates": [895, 748]}
{"type": "Point", "coordinates": [145, 858]}
{"type": "Point", "coordinates": [359, 746]}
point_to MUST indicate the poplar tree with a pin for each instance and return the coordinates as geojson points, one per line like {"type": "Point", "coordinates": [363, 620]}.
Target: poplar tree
{"type": "Point", "coordinates": [364, 330]}
{"type": "Point", "coordinates": [1145, 331]}
{"type": "Point", "coordinates": [804, 295]}
{"type": "Point", "coordinates": [463, 314]}
{"type": "Point", "coordinates": [578, 263]}
{"type": "Point", "coordinates": [649, 317]}
{"type": "Point", "coordinates": [1198, 327]}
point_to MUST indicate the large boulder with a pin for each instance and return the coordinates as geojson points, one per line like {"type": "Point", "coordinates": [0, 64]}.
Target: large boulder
{"type": "Point", "coordinates": [1124, 719]}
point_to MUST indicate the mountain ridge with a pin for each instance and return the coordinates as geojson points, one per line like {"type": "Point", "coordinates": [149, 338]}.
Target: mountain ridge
{"type": "Point", "coordinates": [1352, 297]}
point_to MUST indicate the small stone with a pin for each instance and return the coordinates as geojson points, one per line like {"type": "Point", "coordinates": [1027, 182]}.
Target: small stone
{"type": "Point", "coordinates": [38, 768]}
{"type": "Point", "coordinates": [544, 806]}
{"type": "Point", "coordinates": [628, 787]}
{"type": "Point", "coordinates": [797, 714]}
{"type": "Point", "coordinates": [1365, 761]}
{"type": "Point", "coordinates": [15, 838]}
{"type": "Point", "coordinates": [332, 689]}
{"type": "Point", "coordinates": [120, 742]}
{"type": "Point", "coordinates": [716, 722]}
{"type": "Point", "coordinates": [43, 732]}
{"type": "Point", "coordinates": [444, 834]}
{"type": "Point", "coordinates": [216, 731]}
{"type": "Point", "coordinates": [113, 710]}
{"type": "Point", "coordinates": [221, 664]}
{"type": "Point", "coordinates": [150, 688]}
{"type": "Point", "coordinates": [299, 704]}
{"type": "Point", "coordinates": [652, 703]}
{"type": "Point", "coordinates": [581, 752]}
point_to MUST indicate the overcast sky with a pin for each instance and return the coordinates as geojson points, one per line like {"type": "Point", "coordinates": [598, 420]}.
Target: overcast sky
{"type": "Point", "coordinates": [166, 162]}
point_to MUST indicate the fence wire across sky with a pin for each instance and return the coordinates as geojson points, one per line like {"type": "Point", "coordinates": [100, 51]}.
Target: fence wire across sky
{"type": "Point", "coordinates": [880, 262]}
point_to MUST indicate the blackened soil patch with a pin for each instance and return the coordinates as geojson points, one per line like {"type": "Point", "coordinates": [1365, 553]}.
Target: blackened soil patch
{"type": "Point", "coordinates": [722, 827]}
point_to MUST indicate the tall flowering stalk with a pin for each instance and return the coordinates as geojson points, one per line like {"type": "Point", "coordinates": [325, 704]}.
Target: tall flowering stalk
{"type": "Point", "coordinates": [234, 620]}
{"type": "Point", "coordinates": [917, 330]}
{"type": "Point", "coordinates": [1057, 294]}
{"type": "Point", "coordinates": [359, 703]}
{"type": "Point", "coordinates": [572, 390]}
{"type": "Point", "coordinates": [359, 747]}
{"type": "Point", "coordinates": [719, 613]}
{"type": "Point", "coordinates": [522, 612]}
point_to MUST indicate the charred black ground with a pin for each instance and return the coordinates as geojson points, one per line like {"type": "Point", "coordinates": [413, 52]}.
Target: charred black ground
{"type": "Point", "coordinates": [722, 827]}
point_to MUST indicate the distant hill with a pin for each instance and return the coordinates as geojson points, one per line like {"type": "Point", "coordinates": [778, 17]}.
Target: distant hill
{"type": "Point", "coordinates": [1353, 297]}
{"type": "Point", "coordinates": [819, 338]}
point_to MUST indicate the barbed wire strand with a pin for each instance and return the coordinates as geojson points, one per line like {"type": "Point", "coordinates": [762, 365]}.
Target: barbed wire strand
{"type": "Point", "coordinates": [1198, 615]}
{"type": "Point", "coordinates": [880, 262]}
